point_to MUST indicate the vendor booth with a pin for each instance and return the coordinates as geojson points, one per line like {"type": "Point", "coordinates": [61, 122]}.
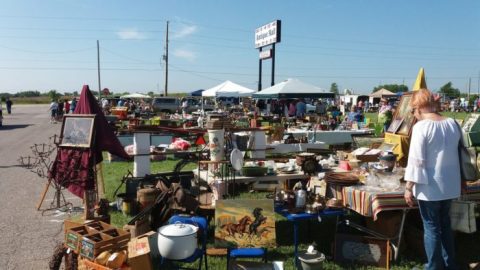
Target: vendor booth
{"type": "Point", "coordinates": [293, 88]}
{"type": "Point", "coordinates": [228, 89]}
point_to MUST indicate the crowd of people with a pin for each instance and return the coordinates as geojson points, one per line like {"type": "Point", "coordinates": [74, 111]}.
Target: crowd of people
{"type": "Point", "coordinates": [331, 111]}
{"type": "Point", "coordinates": [60, 107]}
{"type": "Point", "coordinates": [133, 106]}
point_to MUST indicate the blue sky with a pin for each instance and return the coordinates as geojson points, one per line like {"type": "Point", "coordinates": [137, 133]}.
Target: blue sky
{"type": "Point", "coordinates": [51, 44]}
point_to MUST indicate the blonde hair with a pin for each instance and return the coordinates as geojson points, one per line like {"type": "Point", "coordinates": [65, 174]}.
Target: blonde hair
{"type": "Point", "coordinates": [424, 99]}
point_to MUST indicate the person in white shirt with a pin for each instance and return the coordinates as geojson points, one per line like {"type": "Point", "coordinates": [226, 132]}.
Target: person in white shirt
{"type": "Point", "coordinates": [184, 107]}
{"type": "Point", "coordinates": [433, 176]}
{"type": "Point", "coordinates": [53, 112]}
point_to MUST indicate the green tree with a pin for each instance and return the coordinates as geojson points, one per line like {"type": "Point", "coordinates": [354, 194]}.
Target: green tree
{"type": "Point", "coordinates": [334, 88]}
{"type": "Point", "coordinates": [53, 94]}
{"type": "Point", "coordinates": [27, 94]}
{"type": "Point", "coordinates": [348, 92]}
{"type": "Point", "coordinates": [449, 90]}
{"type": "Point", "coordinates": [395, 88]}
{"type": "Point", "coordinates": [151, 93]}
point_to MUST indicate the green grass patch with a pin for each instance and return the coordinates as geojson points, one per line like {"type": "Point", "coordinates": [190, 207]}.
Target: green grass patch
{"type": "Point", "coordinates": [311, 232]}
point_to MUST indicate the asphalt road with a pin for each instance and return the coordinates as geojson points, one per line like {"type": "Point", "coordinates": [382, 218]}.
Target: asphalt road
{"type": "Point", "coordinates": [27, 236]}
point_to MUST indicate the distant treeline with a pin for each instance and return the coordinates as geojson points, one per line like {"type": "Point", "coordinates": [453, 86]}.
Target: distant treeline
{"type": "Point", "coordinates": [36, 97]}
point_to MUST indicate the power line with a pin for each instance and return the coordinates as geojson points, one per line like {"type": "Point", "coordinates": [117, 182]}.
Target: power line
{"type": "Point", "coordinates": [124, 56]}
{"type": "Point", "coordinates": [77, 68]}
{"type": "Point", "coordinates": [194, 73]}
{"type": "Point", "coordinates": [48, 52]}
{"type": "Point", "coordinates": [74, 29]}
{"type": "Point", "coordinates": [71, 18]}
{"type": "Point", "coordinates": [230, 29]}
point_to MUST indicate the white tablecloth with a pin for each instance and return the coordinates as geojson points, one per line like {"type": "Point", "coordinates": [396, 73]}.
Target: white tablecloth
{"type": "Point", "coordinates": [283, 148]}
{"type": "Point", "coordinates": [329, 137]}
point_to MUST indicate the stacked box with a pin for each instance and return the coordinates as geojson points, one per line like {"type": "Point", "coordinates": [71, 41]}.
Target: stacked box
{"type": "Point", "coordinates": [91, 239]}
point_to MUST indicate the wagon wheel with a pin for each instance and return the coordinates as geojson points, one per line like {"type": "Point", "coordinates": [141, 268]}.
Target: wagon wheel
{"type": "Point", "coordinates": [61, 253]}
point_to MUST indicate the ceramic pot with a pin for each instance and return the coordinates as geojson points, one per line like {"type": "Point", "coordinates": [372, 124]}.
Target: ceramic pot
{"type": "Point", "coordinates": [177, 241]}
{"type": "Point", "coordinates": [216, 143]}
{"type": "Point", "coordinates": [388, 161]}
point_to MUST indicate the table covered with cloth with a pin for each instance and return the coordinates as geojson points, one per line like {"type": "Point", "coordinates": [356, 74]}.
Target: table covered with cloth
{"type": "Point", "coordinates": [329, 137]}
{"type": "Point", "coordinates": [369, 201]}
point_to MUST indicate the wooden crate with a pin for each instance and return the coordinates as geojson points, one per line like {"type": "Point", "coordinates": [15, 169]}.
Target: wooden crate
{"type": "Point", "coordinates": [111, 240]}
{"type": "Point", "coordinates": [94, 237]}
{"type": "Point", "coordinates": [74, 236]}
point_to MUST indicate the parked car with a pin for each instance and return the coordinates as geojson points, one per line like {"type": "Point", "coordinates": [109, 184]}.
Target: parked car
{"type": "Point", "coordinates": [173, 104]}
{"type": "Point", "coordinates": [229, 101]}
{"type": "Point", "coordinates": [195, 104]}
{"type": "Point", "coordinates": [166, 104]}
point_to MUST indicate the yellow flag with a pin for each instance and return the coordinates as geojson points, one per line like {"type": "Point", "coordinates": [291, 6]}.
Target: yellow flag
{"type": "Point", "coordinates": [420, 81]}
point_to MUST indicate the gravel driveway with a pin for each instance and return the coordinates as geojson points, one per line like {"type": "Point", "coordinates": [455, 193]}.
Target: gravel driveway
{"type": "Point", "coordinates": [27, 237]}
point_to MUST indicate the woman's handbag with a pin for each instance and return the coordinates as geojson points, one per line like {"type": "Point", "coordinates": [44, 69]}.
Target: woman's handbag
{"type": "Point", "coordinates": [462, 216]}
{"type": "Point", "coordinates": [468, 160]}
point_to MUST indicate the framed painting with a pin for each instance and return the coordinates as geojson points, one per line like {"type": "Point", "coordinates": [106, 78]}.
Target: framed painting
{"type": "Point", "coordinates": [387, 147]}
{"type": "Point", "coordinates": [355, 249]}
{"type": "Point", "coordinates": [244, 223]}
{"type": "Point", "coordinates": [404, 113]}
{"type": "Point", "coordinates": [395, 125]}
{"type": "Point", "coordinates": [77, 130]}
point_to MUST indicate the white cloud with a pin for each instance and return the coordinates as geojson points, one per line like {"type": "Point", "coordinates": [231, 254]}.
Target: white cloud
{"type": "Point", "coordinates": [130, 33]}
{"type": "Point", "coordinates": [185, 31]}
{"type": "Point", "coordinates": [185, 54]}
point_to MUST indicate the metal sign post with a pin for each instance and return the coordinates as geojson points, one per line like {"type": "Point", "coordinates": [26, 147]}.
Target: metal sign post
{"type": "Point", "coordinates": [265, 35]}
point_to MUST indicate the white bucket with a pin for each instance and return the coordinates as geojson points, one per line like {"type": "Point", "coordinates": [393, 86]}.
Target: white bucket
{"type": "Point", "coordinates": [259, 145]}
{"type": "Point", "coordinates": [216, 143]}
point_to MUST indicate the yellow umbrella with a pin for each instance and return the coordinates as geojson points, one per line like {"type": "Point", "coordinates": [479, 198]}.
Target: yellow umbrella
{"type": "Point", "coordinates": [420, 81]}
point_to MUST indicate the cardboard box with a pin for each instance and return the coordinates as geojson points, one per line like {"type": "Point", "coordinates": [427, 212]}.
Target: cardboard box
{"type": "Point", "coordinates": [141, 227]}
{"type": "Point", "coordinates": [139, 252]}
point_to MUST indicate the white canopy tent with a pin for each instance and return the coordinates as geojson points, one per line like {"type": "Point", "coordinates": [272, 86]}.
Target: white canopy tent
{"type": "Point", "coordinates": [382, 93]}
{"type": "Point", "coordinates": [135, 95]}
{"type": "Point", "coordinates": [228, 89]}
{"type": "Point", "coordinates": [293, 88]}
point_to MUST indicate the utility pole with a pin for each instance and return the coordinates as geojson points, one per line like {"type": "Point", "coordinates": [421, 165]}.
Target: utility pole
{"type": "Point", "coordinates": [165, 57]}
{"type": "Point", "coordinates": [469, 84]}
{"type": "Point", "coordinates": [478, 85]}
{"type": "Point", "coordinates": [98, 70]}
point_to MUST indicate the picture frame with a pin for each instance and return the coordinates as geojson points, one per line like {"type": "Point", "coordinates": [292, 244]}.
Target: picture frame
{"type": "Point", "coordinates": [387, 147]}
{"type": "Point", "coordinates": [233, 220]}
{"type": "Point", "coordinates": [77, 130]}
{"type": "Point", "coordinates": [363, 250]}
{"type": "Point", "coordinates": [395, 125]}
{"type": "Point", "coordinates": [404, 112]}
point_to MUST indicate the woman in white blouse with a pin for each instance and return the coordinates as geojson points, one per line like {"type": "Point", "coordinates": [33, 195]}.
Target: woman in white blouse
{"type": "Point", "coordinates": [433, 176]}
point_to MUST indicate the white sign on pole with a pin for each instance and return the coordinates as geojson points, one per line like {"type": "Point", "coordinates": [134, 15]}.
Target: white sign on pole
{"type": "Point", "coordinates": [268, 34]}
{"type": "Point", "coordinates": [266, 54]}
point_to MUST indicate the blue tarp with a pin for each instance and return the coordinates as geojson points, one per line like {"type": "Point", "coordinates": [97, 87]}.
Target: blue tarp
{"type": "Point", "coordinates": [197, 93]}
